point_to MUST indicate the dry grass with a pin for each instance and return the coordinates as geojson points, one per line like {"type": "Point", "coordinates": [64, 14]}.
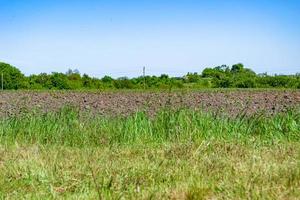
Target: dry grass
{"type": "Point", "coordinates": [206, 170]}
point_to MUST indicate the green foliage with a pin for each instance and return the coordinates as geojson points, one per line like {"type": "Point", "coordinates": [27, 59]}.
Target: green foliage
{"type": "Point", "coordinates": [74, 79]}
{"type": "Point", "coordinates": [279, 81]}
{"type": "Point", "coordinates": [238, 68]}
{"type": "Point", "coordinates": [192, 78]}
{"type": "Point", "coordinates": [86, 81]}
{"type": "Point", "coordinates": [40, 81]}
{"type": "Point", "coordinates": [123, 83]}
{"type": "Point", "coordinates": [222, 76]}
{"type": "Point", "coordinates": [107, 79]}
{"type": "Point", "coordinates": [59, 81]}
{"type": "Point", "coordinates": [12, 77]}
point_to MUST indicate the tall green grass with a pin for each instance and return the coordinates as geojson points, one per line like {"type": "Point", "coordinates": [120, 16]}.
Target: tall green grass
{"type": "Point", "coordinates": [183, 154]}
{"type": "Point", "coordinates": [71, 128]}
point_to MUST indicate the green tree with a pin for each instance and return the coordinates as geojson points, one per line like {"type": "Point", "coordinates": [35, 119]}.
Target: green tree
{"type": "Point", "coordinates": [74, 79]}
{"type": "Point", "coordinates": [107, 79]}
{"type": "Point", "coordinates": [237, 68]}
{"type": "Point", "coordinates": [216, 72]}
{"type": "Point", "coordinates": [192, 77]}
{"type": "Point", "coordinates": [13, 78]}
{"type": "Point", "coordinates": [123, 83]}
{"type": "Point", "coordinates": [86, 81]}
{"type": "Point", "coordinates": [59, 81]}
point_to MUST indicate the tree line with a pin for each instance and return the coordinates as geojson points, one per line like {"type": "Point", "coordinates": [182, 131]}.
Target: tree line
{"type": "Point", "coordinates": [236, 76]}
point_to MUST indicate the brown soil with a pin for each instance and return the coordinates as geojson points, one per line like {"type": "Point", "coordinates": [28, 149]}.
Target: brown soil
{"type": "Point", "coordinates": [126, 103]}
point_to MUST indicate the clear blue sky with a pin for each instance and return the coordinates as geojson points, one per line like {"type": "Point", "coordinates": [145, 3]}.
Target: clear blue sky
{"type": "Point", "coordinates": [118, 37]}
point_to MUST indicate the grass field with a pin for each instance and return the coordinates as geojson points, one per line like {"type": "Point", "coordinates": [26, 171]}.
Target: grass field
{"type": "Point", "coordinates": [180, 154]}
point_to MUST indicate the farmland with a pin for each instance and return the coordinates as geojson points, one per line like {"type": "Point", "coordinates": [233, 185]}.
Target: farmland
{"type": "Point", "coordinates": [124, 103]}
{"type": "Point", "coordinates": [213, 144]}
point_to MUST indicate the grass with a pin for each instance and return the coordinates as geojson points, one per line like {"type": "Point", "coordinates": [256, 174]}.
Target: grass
{"type": "Point", "coordinates": [179, 154]}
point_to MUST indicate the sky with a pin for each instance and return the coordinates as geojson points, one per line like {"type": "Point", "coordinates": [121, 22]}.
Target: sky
{"type": "Point", "coordinates": [118, 38]}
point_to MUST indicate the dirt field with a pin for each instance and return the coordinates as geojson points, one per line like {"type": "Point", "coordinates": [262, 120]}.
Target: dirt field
{"type": "Point", "coordinates": [126, 103]}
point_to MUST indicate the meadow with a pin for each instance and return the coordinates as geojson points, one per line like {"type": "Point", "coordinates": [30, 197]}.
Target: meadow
{"type": "Point", "coordinates": [180, 153]}
{"type": "Point", "coordinates": [142, 100]}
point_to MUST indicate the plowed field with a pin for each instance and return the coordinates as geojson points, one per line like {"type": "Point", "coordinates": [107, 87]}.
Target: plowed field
{"type": "Point", "coordinates": [126, 103]}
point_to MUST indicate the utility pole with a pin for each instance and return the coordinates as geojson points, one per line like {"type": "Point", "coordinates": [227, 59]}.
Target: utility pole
{"type": "Point", "coordinates": [2, 81]}
{"type": "Point", "coordinates": [144, 75]}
